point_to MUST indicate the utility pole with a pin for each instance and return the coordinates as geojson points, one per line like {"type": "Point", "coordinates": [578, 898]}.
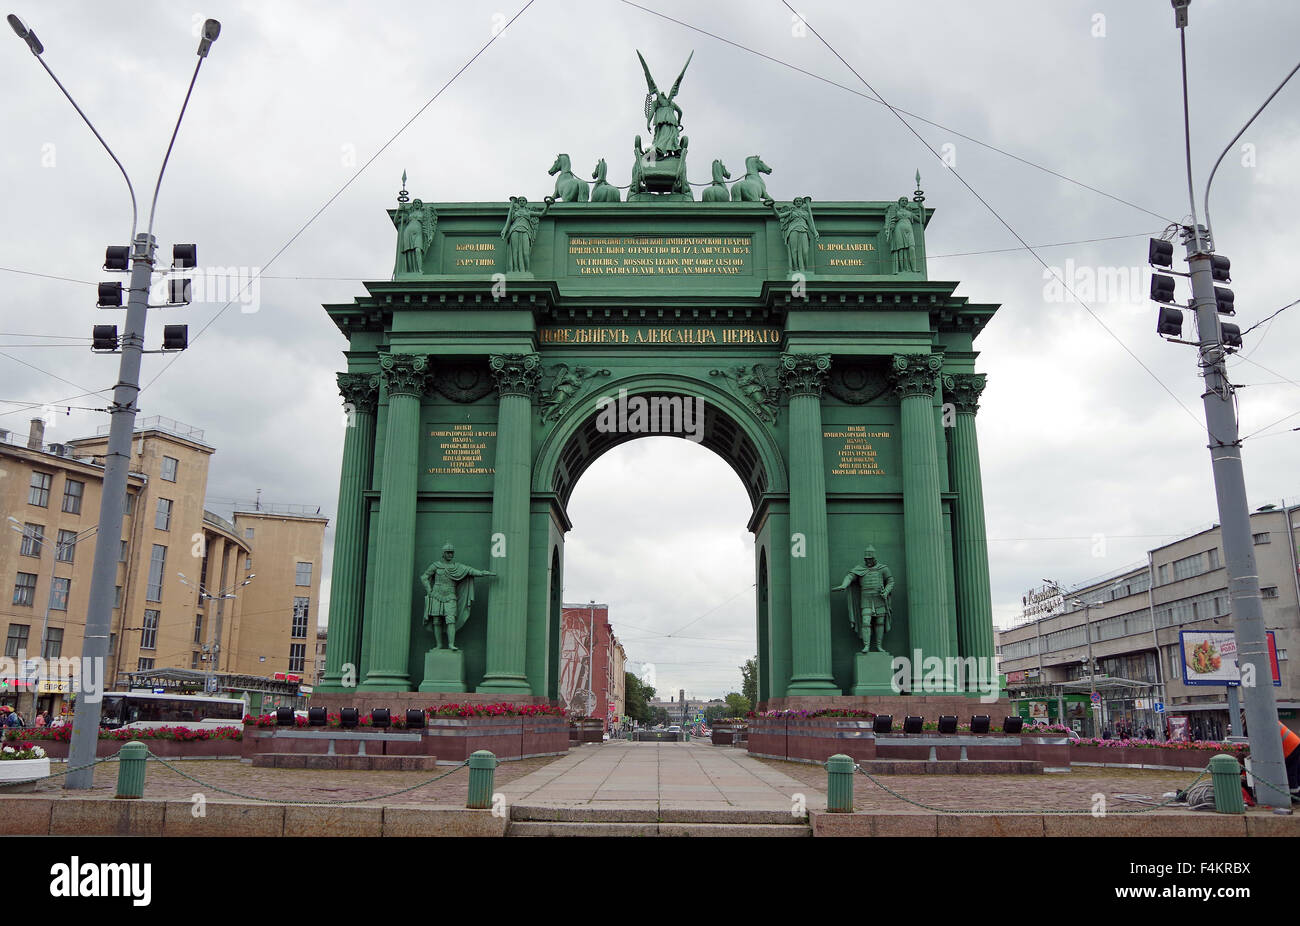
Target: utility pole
{"type": "Point", "coordinates": [1214, 340]}
{"type": "Point", "coordinates": [122, 411]}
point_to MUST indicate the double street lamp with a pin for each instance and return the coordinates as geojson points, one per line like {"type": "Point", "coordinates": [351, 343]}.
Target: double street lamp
{"type": "Point", "coordinates": [122, 411]}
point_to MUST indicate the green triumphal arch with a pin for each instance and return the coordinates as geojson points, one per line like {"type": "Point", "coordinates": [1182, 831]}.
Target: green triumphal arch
{"type": "Point", "coordinates": [803, 342]}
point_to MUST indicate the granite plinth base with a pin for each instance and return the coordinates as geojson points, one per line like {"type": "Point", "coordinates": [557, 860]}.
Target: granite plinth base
{"type": "Point", "coordinates": [444, 670]}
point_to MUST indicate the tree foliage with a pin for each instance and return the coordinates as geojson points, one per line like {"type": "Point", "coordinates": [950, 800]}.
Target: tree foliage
{"type": "Point", "coordinates": [749, 680]}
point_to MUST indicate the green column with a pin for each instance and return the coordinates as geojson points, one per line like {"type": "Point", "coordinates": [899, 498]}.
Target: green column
{"type": "Point", "coordinates": [803, 376]}
{"type": "Point", "coordinates": [970, 543]}
{"type": "Point", "coordinates": [507, 631]}
{"type": "Point", "coordinates": [405, 379]}
{"type": "Point", "coordinates": [360, 393]}
{"type": "Point", "coordinates": [914, 381]}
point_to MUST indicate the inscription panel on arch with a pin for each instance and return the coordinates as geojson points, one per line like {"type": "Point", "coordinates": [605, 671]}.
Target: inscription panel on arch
{"type": "Point", "coordinates": [659, 255]}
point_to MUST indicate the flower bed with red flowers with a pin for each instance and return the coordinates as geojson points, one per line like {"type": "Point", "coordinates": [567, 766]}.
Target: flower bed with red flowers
{"type": "Point", "coordinates": [181, 734]}
{"type": "Point", "coordinates": [398, 720]}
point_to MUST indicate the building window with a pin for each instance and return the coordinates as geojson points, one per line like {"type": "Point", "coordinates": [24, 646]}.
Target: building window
{"type": "Point", "coordinates": [59, 589]}
{"type": "Point", "coordinates": [16, 642]}
{"type": "Point", "coordinates": [1188, 566]}
{"type": "Point", "coordinates": [248, 563]}
{"type": "Point", "coordinates": [1164, 574]}
{"type": "Point", "coordinates": [300, 606]}
{"type": "Point", "coordinates": [53, 647]}
{"type": "Point", "coordinates": [130, 503]}
{"type": "Point", "coordinates": [33, 539]}
{"type": "Point", "coordinates": [25, 589]}
{"type": "Point", "coordinates": [302, 575]}
{"type": "Point", "coordinates": [121, 555]}
{"type": "Point", "coordinates": [117, 597]}
{"type": "Point", "coordinates": [194, 660]}
{"type": "Point", "coordinates": [1269, 591]}
{"type": "Point", "coordinates": [72, 492]}
{"type": "Point", "coordinates": [157, 563]}
{"type": "Point", "coordinates": [169, 467]}
{"type": "Point", "coordinates": [198, 628]}
{"type": "Point", "coordinates": [149, 633]}
{"type": "Point", "coordinates": [248, 533]}
{"type": "Point", "coordinates": [163, 518]}
{"type": "Point", "coordinates": [297, 656]}
{"type": "Point", "coordinates": [1261, 538]}
{"type": "Point", "coordinates": [40, 492]}
{"type": "Point", "coordinates": [143, 664]}
{"type": "Point", "coordinates": [1214, 558]}
{"type": "Point", "coordinates": [66, 548]}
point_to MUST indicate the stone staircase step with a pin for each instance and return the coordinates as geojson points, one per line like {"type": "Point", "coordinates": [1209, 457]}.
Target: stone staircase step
{"type": "Point", "coordinates": [575, 828]}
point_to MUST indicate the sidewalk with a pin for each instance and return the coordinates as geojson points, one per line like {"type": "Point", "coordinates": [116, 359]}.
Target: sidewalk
{"type": "Point", "coordinates": [655, 778]}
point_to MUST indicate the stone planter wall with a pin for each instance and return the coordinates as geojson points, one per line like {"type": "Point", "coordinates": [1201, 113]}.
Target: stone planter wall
{"type": "Point", "coordinates": [1195, 759]}
{"type": "Point", "coordinates": [164, 749]}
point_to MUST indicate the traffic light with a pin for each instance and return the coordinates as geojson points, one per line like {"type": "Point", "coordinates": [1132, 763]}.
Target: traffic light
{"type": "Point", "coordinates": [1223, 299]}
{"type": "Point", "coordinates": [178, 292]}
{"type": "Point", "coordinates": [1160, 253]}
{"type": "Point", "coordinates": [1219, 267]}
{"type": "Point", "coordinates": [1170, 322]}
{"type": "Point", "coordinates": [110, 296]}
{"type": "Point", "coordinates": [103, 337]}
{"type": "Point", "coordinates": [1162, 288]}
{"type": "Point", "coordinates": [184, 256]}
{"type": "Point", "coordinates": [1231, 334]}
{"type": "Point", "coordinates": [117, 258]}
{"type": "Point", "coordinates": [175, 337]}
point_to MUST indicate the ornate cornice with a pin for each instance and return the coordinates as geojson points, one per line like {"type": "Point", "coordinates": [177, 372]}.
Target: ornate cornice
{"type": "Point", "coordinates": [963, 390]}
{"type": "Point", "coordinates": [359, 390]}
{"type": "Point", "coordinates": [405, 374]}
{"type": "Point", "coordinates": [804, 374]}
{"type": "Point", "coordinates": [516, 374]}
{"type": "Point", "coordinates": [913, 374]}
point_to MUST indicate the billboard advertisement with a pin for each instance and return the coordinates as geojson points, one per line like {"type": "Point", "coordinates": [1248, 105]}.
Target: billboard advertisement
{"type": "Point", "coordinates": [1210, 657]}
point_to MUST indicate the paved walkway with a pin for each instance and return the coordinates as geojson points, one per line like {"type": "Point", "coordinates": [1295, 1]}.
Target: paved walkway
{"type": "Point", "coordinates": [695, 776]}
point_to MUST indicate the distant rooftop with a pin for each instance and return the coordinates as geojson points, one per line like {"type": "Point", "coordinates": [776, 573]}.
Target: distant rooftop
{"type": "Point", "coordinates": [166, 425]}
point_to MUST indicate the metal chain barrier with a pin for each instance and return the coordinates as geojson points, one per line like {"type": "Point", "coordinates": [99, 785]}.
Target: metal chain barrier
{"type": "Point", "coordinates": [272, 800]}
{"type": "Point", "coordinates": [908, 800]}
{"type": "Point", "coordinates": [68, 771]}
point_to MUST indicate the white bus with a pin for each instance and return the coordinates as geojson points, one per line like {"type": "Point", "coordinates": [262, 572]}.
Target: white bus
{"type": "Point", "coordinates": [143, 710]}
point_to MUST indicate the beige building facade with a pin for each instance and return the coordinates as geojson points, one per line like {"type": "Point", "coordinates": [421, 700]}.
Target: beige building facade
{"type": "Point", "coordinates": [183, 572]}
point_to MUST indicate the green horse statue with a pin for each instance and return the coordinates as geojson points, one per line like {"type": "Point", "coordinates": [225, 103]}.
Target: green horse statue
{"type": "Point", "coordinates": [752, 189]}
{"type": "Point", "coordinates": [569, 188]}
{"type": "Point", "coordinates": [603, 191]}
{"type": "Point", "coordinates": [717, 191]}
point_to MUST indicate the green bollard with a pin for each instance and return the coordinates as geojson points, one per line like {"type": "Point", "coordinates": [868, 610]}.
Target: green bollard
{"type": "Point", "coordinates": [1225, 772]}
{"type": "Point", "coordinates": [130, 770]}
{"type": "Point", "coordinates": [482, 774]}
{"type": "Point", "coordinates": [839, 784]}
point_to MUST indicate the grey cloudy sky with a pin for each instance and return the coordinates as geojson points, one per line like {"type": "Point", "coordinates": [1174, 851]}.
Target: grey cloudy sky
{"type": "Point", "coordinates": [1077, 440]}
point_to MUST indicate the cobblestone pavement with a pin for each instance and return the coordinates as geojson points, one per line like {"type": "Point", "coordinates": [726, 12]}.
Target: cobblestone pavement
{"type": "Point", "coordinates": [286, 784]}
{"type": "Point", "coordinates": [1050, 791]}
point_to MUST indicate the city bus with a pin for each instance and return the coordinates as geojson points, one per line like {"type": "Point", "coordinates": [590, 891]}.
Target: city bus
{"type": "Point", "coordinates": [143, 710]}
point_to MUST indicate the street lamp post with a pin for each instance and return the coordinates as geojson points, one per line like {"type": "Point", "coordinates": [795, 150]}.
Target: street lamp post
{"type": "Point", "coordinates": [212, 647]}
{"type": "Point", "coordinates": [122, 411]}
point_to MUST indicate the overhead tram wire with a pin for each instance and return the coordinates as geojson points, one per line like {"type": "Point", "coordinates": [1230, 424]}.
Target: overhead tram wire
{"type": "Point", "coordinates": [296, 235]}
{"type": "Point", "coordinates": [876, 98]}
{"type": "Point", "coordinates": [962, 180]}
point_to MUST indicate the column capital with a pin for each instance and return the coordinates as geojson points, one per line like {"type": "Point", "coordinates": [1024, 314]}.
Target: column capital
{"type": "Point", "coordinates": [516, 374]}
{"type": "Point", "coordinates": [405, 374]}
{"type": "Point", "coordinates": [913, 374]}
{"type": "Point", "coordinates": [963, 390]}
{"type": "Point", "coordinates": [804, 374]}
{"type": "Point", "coordinates": [360, 390]}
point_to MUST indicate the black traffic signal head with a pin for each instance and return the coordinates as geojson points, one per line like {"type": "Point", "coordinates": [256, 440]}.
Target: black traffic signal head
{"type": "Point", "coordinates": [103, 337]}
{"type": "Point", "coordinates": [117, 257]}
{"type": "Point", "coordinates": [176, 337]}
{"type": "Point", "coordinates": [1170, 322]}
{"type": "Point", "coordinates": [1231, 334]}
{"type": "Point", "coordinates": [178, 292]}
{"type": "Point", "coordinates": [1219, 267]}
{"type": "Point", "coordinates": [185, 256]}
{"type": "Point", "coordinates": [1223, 299]}
{"type": "Point", "coordinates": [110, 296]}
{"type": "Point", "coordinates": [1162, 287]}
{"type": "Point", "coordinates": [1160, 253]}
